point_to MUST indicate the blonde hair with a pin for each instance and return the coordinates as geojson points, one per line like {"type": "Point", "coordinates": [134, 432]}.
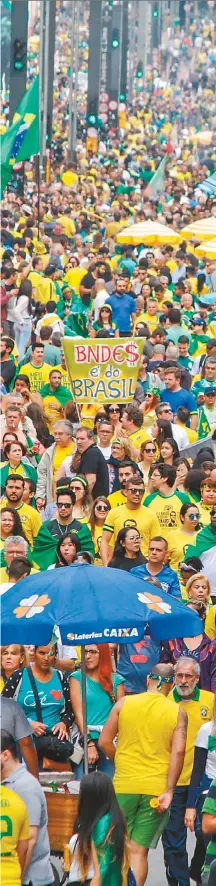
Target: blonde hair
{"type": "Point", "coordinates": [125, 443]}
{"type": "Point", "coordinates": [19, 648]}
{"type": "Point", "coordinates": [194, 578]}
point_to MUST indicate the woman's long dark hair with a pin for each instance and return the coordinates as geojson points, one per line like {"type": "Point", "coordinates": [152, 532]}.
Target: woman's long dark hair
{"type": "Point", "coordinates": [60, 560]}
{"type": "Point", "coordinates": [165, 431]}
{"type": "Point", "coordinates": [119, 550]}
{"type": "Point", "coordinates": [193, 481]}
{"type": "Point", "coordinates": [174, 446]}
{"type": "Point", "coordinates": [34, 412]}
{"type": "Point", "coordinates": [96, 799]}
{"type": "Point", "coordinates": [17, 527]}
{"type": "Point", "coordinates": [25, 289]}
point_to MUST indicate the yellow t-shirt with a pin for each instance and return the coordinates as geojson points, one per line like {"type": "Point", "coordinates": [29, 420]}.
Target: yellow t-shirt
{"type": "Point", "coordinates": [167, 509]}
{"type": "Point", "coordinates": [138, 437]}
{"type": "Point", "coordinates": [59, 455]}
{"type": "Point", "coordinates": [38, 375]}
{"type": "Point", "coordinates": [67, 224]}
{"type": "Point", "coordinates": [178, 543]}
{"type": "Point", "coordinates": [30, 519]}
{"type": "Point", "coordinates": [146, 726]}
{"type": "Point", "coordinates": [210, 623]}
{"type": "Point", "coordinates": [141, 519]}
{"type": "Point", "coordinates": [88, 413]}
{"type": "Point", "coordinates": [204, 514]}
{"type": "Point", "coordinates": [52, 415]}
{"type": "Point", "coordinates": [37, 282]}
{"type": "Point", "coordinates": [116, 498]}
{"type": "Point", "coordinates": [20, 469]}
{"type": "Point", "coordinates": [151, 320]}
{"type": "Point", "coordinates": [199, 710]}
{"type": "Point", "coordinates": [14, 827]}
{"type": "Point", "coordinates": [73, 277]}
{"type": "Point", "coordinates": [192, 435]}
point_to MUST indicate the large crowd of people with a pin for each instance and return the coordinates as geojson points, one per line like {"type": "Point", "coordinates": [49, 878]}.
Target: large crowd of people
{"type": "Point", "coordinates": [129, 486]}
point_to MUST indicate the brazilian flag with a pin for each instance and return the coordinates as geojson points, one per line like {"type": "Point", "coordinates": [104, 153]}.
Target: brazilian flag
{"type": "Point", "coordinates": [22, 138]}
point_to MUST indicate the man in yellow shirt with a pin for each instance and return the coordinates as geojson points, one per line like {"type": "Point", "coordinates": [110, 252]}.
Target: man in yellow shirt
{"type": "Point", "coordinates": [14, 836]}
{"type": "Point", "coordinates": [37, 371]}
{"type": "Point", "coordinates": [148, 761]}
{"type": "Point", "coordinates": [198, 705]}
{"type": "Point", "coordinates": [132, 425]}
{"type": "Point", "coordinates": [132, 513]}
{"type": "Point", "coordinates": [13, 498]}
{"type": "Point", "coordinates": [126, 471]}
{"type": "Point", "coordinates": [167, 501]}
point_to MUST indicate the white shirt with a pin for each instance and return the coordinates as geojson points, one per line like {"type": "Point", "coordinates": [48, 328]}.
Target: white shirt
{"type": "Point", "coordinates": [106, 451]}
{"type": "Point", "coordinates": [202, 742]}
{"type": "Point", "coordinates": [180, 436]}
{"type": "Point", "coordinates": [75, 871]}
{"type": "Point", "coordinates": [99, 301]}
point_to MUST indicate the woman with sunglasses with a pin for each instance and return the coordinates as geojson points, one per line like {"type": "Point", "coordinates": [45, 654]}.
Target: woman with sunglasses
{"type": "Point", "coordinates": [114, 415]}
{"type": "Point", "coordinates": [152, 398]}
{"type": "Point", "coordinates": [83, 504]}
{"type": "Point", "coordinates": [120, 449]}
{"type": "Point", "coordinates": [180, 539]}
{"type": "Point", "coordinates": [105, 321]}
{"type": "Point", "coordinates": [182, 466]}
{"type": "Point", "coordinates": [98, 516]}
{"type": "Point", "coordinates": [127, 554]}
{"type": "Point", "coordinates": [148, 455]}
{"type": "Point", "coordinates": [103, 689]}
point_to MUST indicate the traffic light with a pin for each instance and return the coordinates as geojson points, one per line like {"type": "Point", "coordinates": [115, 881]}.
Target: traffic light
{"type": "Point", "coordinates": [19, 55]}
{"type": "Point", "coordinates": [155, 10]}
{"type": "Point", "coordinates": [122, 97]}
{"type": "Point", "coordinates": [139, 71]}
{"type": "Point", "coordinates": [92, 113]}
{"type": "Point", "coordinates": [115, 38]}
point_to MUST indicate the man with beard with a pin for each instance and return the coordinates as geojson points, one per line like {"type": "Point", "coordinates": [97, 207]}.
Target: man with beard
{"type": "Point", "coordinates": [198, 704]}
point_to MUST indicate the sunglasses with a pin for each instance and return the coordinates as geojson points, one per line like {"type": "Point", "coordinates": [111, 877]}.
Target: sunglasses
{"type": "Point", "coordinates": [102, 507]}
{"type": "Point", "coordinates": [150, 451]}
{"type": "Point", "coordinates": [113, 409]}
{"type": "Point", "coordinates": [136, 491]}
{"type": "Point", "coordinates": [63, 505]}
{"type": "Point", "coordinates": [193, 517]}
{"type": "Point", "coordinates": [167, 410]}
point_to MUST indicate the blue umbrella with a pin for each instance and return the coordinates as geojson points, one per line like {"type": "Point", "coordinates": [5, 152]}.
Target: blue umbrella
{"type": "Point", "coordinates": [88, 603]}
{"type": "Point", "coordinates": [91, 604]}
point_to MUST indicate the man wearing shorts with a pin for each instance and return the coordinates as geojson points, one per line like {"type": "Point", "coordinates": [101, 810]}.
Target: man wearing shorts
{"type": "Point", "coordinates": [148, 758]}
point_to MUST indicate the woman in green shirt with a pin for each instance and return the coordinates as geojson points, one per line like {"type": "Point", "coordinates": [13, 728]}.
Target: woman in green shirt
{"type": "Point", "coordinates": [103, 689]}
{"type": "Point", "coordinates": [101, 836]}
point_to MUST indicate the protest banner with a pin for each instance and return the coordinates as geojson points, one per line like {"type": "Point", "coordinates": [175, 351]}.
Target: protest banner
{"type": "Point", "coordinates": [103, 370]}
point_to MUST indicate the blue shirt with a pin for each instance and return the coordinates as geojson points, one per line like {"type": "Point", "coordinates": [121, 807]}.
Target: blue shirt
{"type": "Point", "coordinates": [136, 661]}
{"type": "Point", "coordinates": [167, 578]}
{"type": "Point", "coordinates": [179, 398]}
{"type": "Point", "coordinates": [122, 308]}
{"type": "Point", "coordinates": [50, 695]}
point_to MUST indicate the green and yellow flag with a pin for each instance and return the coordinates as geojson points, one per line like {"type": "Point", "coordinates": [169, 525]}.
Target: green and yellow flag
{"type": "Point", "coordinates": [22, 139]}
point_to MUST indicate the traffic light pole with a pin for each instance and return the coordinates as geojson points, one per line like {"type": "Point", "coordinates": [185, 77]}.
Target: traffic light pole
{"type": "Point", "coordinates": [95, 17]}
{"type": "Point", "coordinates": [70, 131]}
{"type": "Point", "coordinates": [19, 31]}
{"type": "Point", "coordinates": [124, 55]}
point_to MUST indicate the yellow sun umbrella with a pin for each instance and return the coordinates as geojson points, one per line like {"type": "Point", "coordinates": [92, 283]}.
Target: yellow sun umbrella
{"type": "Point", "coordinates": [207, 250]}
{"type": "Point", "coordinates": [205, 229]}
{"type": "Point", "coordinates": [150, 233]}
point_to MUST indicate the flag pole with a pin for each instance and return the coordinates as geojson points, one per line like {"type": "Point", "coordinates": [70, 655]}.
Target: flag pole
{"type": "Point", "coordinates": [38, 182]}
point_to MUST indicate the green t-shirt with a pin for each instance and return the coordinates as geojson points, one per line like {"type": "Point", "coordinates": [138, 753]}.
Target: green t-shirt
{"type": "Point", "coordinates": [99, 703]}
{"type": "Point", "coordinates": [209, 806]}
